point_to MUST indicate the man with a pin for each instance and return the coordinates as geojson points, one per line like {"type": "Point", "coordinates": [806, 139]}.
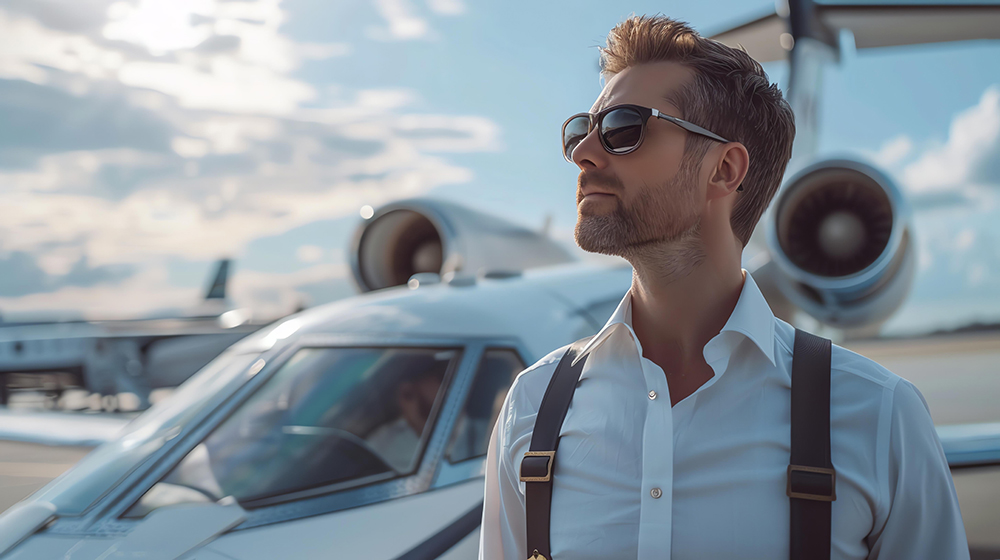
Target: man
{"type": "Point", "coordinates": [676, 442]}
{"type": "Point", "coordinates": [397, 441]}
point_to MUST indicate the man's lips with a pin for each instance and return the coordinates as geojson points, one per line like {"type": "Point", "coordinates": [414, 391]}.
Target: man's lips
{"type": "Point", "coordinates": [591, 192]}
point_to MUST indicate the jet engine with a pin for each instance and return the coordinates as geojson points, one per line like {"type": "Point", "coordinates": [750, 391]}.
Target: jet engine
{"type": "Point", "coordinates": [841, 238]}
{"type": "Point", "coordinates": [430, 236]}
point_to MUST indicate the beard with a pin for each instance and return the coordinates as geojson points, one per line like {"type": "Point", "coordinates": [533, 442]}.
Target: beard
{"type": "Point", "coordinates": [659, 216]}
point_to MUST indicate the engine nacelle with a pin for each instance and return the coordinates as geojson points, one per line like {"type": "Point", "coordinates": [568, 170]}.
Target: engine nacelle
{"type": "Point", "coordinates": [430, 236]}
{"type": "Point", "coordinates": [842, 241]}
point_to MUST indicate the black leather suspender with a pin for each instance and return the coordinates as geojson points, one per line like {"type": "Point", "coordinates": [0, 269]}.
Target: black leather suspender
{"type": "Point", "coordinates": [812, 482]}
{"type": "Point", "coordinates": [811, 485]}
{"type": "Point", "coordinates": [537, 464]}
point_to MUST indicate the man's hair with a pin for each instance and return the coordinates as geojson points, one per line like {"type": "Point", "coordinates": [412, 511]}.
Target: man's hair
{"type": "Point", "coordinates": [730, 95]}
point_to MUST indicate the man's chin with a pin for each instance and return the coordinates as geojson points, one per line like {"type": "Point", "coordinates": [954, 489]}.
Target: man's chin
{"type": "Point", "coordinates": [598, 238]}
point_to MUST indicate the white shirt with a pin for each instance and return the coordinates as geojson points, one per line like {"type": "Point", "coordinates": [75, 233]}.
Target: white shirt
{"type": "Point", "coordinates": [717, 460]}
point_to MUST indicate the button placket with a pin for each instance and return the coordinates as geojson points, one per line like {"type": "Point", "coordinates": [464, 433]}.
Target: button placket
{"type": "Point", "coordinates": [657, 465]}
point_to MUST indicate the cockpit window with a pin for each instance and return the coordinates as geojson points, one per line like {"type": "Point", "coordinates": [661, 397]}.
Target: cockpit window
{"type": "Point", "coordinates": [328, 416]}
{"type": "Point", "coordinates": [471, 436]}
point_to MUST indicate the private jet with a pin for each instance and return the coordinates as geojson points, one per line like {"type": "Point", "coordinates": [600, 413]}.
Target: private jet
{"type": "Point", "coordinates": [118, 363]}
{"type": "Point", "coordinates": [359, 429]}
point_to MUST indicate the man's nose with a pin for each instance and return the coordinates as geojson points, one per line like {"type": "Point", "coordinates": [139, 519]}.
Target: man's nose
{"type": "Point", "coordinates": [589, 153]}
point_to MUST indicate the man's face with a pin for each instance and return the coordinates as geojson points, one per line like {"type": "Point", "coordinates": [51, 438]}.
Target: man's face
{"type": "Point", "coordinates": [416, 399]}
{"type": "Point", "coordinates": [650, 196]}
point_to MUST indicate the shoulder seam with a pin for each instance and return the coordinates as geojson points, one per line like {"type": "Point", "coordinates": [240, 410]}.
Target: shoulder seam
{"type": "Point", "coordinates": [892, 379]}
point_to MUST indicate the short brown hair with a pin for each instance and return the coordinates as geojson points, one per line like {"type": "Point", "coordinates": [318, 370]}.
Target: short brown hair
{"type": "Point", "coordinates": [730, 95]}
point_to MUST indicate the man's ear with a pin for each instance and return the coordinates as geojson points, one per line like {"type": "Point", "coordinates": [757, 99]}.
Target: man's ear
{"type": "Point", "coordinates": [731, 166]}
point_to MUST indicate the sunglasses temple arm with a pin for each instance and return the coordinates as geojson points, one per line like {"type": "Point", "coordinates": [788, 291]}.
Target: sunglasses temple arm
{"type": "Point", "coordinates": [694, 128]}
{"type": "Point", "coordinates": [691, 127]}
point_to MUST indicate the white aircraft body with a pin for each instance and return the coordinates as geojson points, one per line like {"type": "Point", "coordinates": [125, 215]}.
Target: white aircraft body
{"type": "Point", "coordinates": [113, 358]}
{"type": "Point", "coordinates": [360, 428]}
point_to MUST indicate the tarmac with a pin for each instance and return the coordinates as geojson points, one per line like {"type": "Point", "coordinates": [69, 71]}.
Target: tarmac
{"type": "Point", "coordinates": [26, 467]}
{"type": "Point", "coordinates": [37, 446]}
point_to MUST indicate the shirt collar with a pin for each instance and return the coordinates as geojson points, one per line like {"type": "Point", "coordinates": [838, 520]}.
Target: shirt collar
{"type": "Point", "coordinates": [752, 317]}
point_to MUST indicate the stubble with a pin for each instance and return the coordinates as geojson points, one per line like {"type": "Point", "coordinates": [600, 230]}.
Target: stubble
{"type": "Point", "coordinates": [658, 228]}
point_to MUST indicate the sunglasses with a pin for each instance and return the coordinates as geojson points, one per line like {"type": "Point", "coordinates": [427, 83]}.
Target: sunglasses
{"type": "Point", "coordinates": [622, 129]}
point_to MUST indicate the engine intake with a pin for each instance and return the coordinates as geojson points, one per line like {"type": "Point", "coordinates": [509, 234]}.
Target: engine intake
{"type": "Point", "coordinates": [841, 239]}
{"type": "Point", "coordinates": [430, 236]}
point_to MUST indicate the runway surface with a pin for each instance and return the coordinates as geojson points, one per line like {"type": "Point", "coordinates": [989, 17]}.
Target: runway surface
{"type": "Point", "coordinates": [958, 374]}
{"type": "Point", "coordinates": [26, 467]}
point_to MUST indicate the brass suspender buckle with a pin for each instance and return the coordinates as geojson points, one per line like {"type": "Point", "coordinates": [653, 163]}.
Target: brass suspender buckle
{"type": "Point", "coordinates": [811, 484]}
{"type": "Point", "coordinates": [536, 555]}
{"type": "Point", "coordinates": [531, 469]}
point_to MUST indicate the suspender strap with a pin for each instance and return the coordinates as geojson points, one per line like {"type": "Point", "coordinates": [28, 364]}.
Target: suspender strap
{"type": "Point", "coordinates": [811, 479]}
{"type": "Point", "coordinates": [537, 464]}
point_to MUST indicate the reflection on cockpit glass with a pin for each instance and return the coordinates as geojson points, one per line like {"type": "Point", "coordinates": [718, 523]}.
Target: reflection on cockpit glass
{"type": "Point", "coordinates": [327, 416]}
{"type": "Point", "coordinates": [471, 436]}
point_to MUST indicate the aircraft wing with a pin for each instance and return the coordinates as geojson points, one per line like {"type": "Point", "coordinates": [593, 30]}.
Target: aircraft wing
{"type": "Point", "coordinates": [873, 25]}
{"type": "Point", "coordinates": [759, 37]}
{"type": "Point", "coordinates": [971, 445]}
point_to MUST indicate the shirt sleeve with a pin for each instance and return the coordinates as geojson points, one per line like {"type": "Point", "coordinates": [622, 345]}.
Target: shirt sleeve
{"type": "Point", "coordinates": [502, 534]}
{"type": "Point", "coordinates": [924, 520]}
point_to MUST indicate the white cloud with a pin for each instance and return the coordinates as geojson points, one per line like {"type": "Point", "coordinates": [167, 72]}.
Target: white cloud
{"type": "Point", "coordinates": [893, 151]}
{"type": "Point", "coordinates": [128, 298]}
{"type": "Point", "coordinates": [976, 274]}
{"type": "Point", "coordinates": [159, 25]}
{"type": "Point", "coordinates": [27, 49]}
{"type": "Point", "coordinates": [230, 134]}
{"type": "Point", "coordinates": [189, 147]}
{"type": "Point", "coordinates": [403, 22]}
{"type": "Point", "coordinates": [271, 294]}
{"type": "Point", "coordinates": [964, 240]}
{"type": "Point", "coordinates": [68, 172]}
{"type": "Point", "coordinates": [321, 51]}
{"type": "Point", "coordinates": [60, 260]}
{"type": "Point", "coordinates": [241, 157]}
{"type": "Point", "coordinates": [925, 258]}
{"type": "Point", "coordinates": [309, 253]}
{"type": "Point", "coordinates": [447, 7]}
{"type": "Point", "coordinates": [229, 86]}
{"type": "Point", "coordinates": [443, 133]}
{"type": "Point", "coordinates": [973, 144]}
{"type": "Point", "coordinates": [201, 217]}
{"type": "Point", "coordinates": [252, 78]}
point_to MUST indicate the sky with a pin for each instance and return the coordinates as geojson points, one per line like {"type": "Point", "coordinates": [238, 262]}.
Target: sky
{"type": "Point", "coordinates": [142, 140]}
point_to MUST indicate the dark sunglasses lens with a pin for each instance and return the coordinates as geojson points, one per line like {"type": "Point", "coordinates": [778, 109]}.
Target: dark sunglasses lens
{"type": "Point", "coordinates": [574, 131]}
{"type": "Point", "coordinates": [621, 129]}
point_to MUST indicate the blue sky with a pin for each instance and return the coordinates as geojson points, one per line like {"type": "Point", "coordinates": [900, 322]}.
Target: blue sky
{"type": "Point", "coordinates": [144, 139]}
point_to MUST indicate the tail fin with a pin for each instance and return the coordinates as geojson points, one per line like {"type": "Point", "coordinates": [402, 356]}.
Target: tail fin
{"type": "Point", "coordinates": [874, 24]}
{"type": "Point", "coordinates": [217, 289]}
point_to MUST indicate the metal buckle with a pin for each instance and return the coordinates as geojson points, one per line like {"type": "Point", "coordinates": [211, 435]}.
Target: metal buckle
{"type": "Point", "coordinates": [807, 496]}
{"type": "Point", "coordinates": [548, 475]}
{"type": "Point", "coordinates": [536, 555]}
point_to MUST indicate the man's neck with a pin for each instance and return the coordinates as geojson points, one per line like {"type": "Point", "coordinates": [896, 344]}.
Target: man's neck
{"type": "Point", "coordinates": [678, 305]}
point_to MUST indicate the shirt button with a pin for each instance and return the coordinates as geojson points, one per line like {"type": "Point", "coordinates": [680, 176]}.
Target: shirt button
{"type": "Point", "coordinates": [656, 493]}
{"type": "Point", "coordinates": [652, 396]}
